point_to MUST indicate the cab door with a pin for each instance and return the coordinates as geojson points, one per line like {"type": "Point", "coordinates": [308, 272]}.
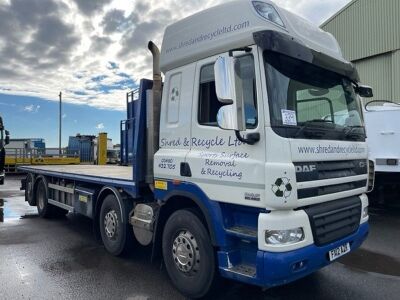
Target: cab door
{"type": "Point", "coordinates": [175, 125]}
{"type": "Point", "coordinates": [223, 167]}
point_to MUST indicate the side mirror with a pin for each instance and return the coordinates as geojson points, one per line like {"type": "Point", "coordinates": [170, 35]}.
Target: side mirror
{"type": "Point", "coordinates": [7, 139]}
{"type": "Point", "coordinates": [364, 91]}
{"type": "Point", "coordinates": [229, 92]}
{"type": "Point", "coordinates": [225, 117]}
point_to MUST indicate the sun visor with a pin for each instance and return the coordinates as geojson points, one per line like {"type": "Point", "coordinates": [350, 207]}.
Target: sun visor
{"type": "Point", "coordinates": [287, 45]}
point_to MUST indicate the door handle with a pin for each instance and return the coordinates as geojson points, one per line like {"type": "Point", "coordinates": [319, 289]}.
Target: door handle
{"type": "Point", "coordinates": [387, 132]}
{"type": "Point", "coordinates": [185, 169]}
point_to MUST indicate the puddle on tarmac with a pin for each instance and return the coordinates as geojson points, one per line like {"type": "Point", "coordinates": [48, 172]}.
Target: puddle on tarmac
{"type": "Point", "coordinates": [16, 211]}
{"type": "Point", "coordinates": [369, 261]}
{"type": "Point", "coordinates": [11, 193]}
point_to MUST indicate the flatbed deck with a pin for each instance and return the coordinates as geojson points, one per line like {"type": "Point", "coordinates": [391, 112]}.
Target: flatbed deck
{"type": "Point", "coordinates": [90, 173]}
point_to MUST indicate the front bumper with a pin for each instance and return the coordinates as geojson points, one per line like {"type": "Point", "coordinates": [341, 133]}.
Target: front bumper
{"type": "Point", "coordinates": [274, 269]}
{"type": "Point", "coordinates": [278, 267]}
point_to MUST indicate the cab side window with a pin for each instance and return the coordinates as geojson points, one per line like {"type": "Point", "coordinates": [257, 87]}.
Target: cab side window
{"type": "Point", "coordinates": [208, 101]}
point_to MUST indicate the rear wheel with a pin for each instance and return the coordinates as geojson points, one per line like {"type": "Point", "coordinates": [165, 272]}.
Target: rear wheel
{"type": "Point", "coordinates": [43, 206]}
{"type": "Point", "coordinates": [113, 231]}
{"type": "Point", "coordinates": [29, 191]}
{"type": "Point", "coordinates": [188, 254]}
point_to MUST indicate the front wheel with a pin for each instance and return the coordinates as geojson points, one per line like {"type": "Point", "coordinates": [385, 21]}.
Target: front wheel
{"type": "Point", "coordinates": [188, 254]}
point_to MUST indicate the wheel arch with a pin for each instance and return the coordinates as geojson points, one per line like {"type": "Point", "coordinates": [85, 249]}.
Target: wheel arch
{"type": "Point", "coordinates": [110, 190]}
{"type": "Point", "coordinates": [177, 200]}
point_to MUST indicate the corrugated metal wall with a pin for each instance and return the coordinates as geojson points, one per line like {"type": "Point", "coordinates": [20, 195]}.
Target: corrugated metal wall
{"type": "Point", "coordinates": [396, 76]}
{"type": "Point", "coordinates": [367, 28]}
{"type": "Point", "coordinates": [377, 72]}
{"type": "Point", "coordinates": [368, 32]}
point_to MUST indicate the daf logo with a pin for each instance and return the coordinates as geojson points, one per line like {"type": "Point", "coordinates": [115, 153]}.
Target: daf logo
{"type": "Point", "coordinates": [306, 168]}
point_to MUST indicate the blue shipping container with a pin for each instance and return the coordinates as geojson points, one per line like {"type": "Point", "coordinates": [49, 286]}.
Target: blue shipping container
{"type": "Point", "coordinates": [83, 145]}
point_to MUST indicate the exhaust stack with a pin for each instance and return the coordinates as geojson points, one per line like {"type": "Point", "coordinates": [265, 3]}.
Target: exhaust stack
{"type": "Point", "coordinates": [153, 113]}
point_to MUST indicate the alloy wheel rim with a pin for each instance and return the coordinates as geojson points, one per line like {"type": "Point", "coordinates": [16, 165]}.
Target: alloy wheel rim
{"type": "Point", "coordinates": [185, 252]}
{"type": "Point", "coordinates": [111, 224]}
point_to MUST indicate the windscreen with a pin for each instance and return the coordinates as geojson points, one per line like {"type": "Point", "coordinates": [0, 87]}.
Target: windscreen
{"type": "Point", "coordinates": [310, 102]}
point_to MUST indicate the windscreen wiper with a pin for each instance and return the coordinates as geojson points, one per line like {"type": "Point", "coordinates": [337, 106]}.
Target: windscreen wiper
{"type": "Point", "coordinates": [312, 128]}
{"type": "Point", "coordinates": [350, 132]}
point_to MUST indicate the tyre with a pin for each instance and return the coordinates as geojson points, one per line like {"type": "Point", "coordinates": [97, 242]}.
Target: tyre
{"type": "Point", "coordinates": [188, 254]}
{"type": "Point", "coordinates": [29, 191]}
{"type": "Point", "coordinates": [43, 206]}
{"type": "Point", "coordinates": [113, 231]}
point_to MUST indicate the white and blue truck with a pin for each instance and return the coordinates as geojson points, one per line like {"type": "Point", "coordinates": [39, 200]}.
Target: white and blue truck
{"type": "Point", "coordinates": [235, 164]}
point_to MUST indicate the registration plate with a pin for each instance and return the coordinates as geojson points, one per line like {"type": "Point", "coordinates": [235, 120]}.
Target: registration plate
{"type": "Point", "coordinates": [339, 251]}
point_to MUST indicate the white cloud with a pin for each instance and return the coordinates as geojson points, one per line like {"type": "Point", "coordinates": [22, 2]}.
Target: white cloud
{"type": "Point", "coordinates": [95, 52]}
{"type": "Point", "coordinates": [100, 126]}
{"type": "Point", "coordinates": [32, 108]}
{"type": "Point", "coordinates": [64, 116]}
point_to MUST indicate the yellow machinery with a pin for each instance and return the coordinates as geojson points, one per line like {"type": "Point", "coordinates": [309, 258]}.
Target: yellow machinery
{"type": "Point", "coordinates": [102, 149]}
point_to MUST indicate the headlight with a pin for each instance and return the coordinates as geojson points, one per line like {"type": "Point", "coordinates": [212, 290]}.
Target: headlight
{"type": "Point", "coordinates": [268, 12]}
{"type": "Point", "coordinates": [284, 237]}
{"type": "Point", "coordinates": [365, 212]}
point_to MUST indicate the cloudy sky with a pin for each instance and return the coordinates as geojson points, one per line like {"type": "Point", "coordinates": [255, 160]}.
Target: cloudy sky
{"type": "Point", "coordinates": [92, 50]}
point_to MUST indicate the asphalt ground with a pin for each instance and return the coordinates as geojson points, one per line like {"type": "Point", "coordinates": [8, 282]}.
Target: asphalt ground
{"type": "Point", "coordinates": [61, 259]}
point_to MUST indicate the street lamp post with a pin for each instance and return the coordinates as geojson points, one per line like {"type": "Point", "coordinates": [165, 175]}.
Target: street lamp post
{"type": "Point", "coordinates": [60, 124]}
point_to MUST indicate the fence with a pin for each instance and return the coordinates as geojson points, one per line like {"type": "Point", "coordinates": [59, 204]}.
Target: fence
{"type": "Point", "coordinates": [48, 156]}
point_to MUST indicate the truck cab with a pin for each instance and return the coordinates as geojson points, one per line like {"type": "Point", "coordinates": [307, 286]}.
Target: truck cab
{"type": "Point", "coordinates": [248, 124]}
{"type": "Point", "coordinates": [4, 140]}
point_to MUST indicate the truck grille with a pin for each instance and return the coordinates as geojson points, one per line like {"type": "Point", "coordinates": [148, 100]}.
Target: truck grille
{"type": "Point", "coordinates": [314, 171]}
{"type": "Point", "coordinates": [310, 171]}
{"type": "Point", "coordinates": [330, 189]}
{"type": "Point", "coordinates": [334, 220]}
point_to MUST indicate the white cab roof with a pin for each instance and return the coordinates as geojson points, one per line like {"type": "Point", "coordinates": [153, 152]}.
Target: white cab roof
{"type": "Point", "coordinates": [231, 25]}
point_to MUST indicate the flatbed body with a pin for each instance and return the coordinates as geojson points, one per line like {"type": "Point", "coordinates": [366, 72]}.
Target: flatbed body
{"type": "Point", "coordinates": [119, 176]}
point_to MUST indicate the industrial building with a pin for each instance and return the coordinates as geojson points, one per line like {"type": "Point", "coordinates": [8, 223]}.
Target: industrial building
{"type": "Point", "coordinates": [26, 143]}
{"type": "Point", "coordinates": [368, 32]}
